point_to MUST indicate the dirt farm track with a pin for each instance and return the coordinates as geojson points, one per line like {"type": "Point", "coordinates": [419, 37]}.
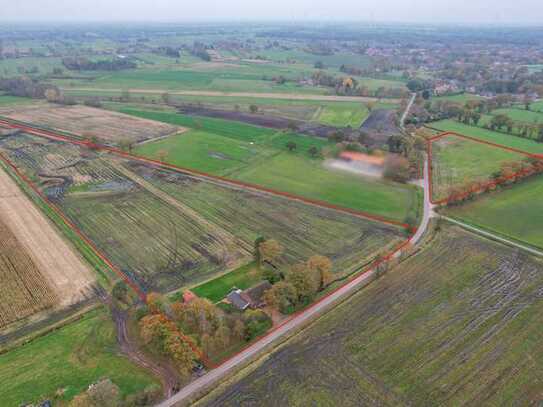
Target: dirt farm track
{"type": "Point", "coordinates": [66, 273]}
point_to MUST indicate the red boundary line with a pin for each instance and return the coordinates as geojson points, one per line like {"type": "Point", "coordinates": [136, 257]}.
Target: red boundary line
{"type": "Point", "coordinates": [314, 202]}
{"type": "Point", "coordinates": [135, 287]}
{"type": "Point", "coordinates": [354, 280]}
{"type": "Point", "coordinates": [481, 186]}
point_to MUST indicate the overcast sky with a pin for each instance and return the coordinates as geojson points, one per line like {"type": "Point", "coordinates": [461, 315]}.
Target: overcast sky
{"type": "Point", "coordinates": [439, 11]}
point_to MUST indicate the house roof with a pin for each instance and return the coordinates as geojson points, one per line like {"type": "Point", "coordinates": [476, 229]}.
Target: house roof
{"type": "Point", "coordinates": [237, 300]}
{"type": "Point", "coordinates": [254, 295]}
{"type": "Point", "coordinates": [355, 156]}
{"type": "Point", "coordinates": [188, 296]}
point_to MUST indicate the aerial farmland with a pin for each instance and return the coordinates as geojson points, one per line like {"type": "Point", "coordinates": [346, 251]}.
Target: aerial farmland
{"type": "Point", "coordinates": [269, 213]}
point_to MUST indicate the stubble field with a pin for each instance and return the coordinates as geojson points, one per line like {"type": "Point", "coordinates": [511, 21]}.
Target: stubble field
{"type": "Point", "coordinates": [441, 329]}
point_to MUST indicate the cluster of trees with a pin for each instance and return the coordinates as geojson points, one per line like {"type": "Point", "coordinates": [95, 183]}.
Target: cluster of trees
{"type": "Point", "coordinates": [214, 329]}
{"type": "Point", "coordinates": [299, 284]}
{"type": "Point", "coordinates": [397, 168]}
{"type": "Point", "coordinates": [85, 64]}
{"type": "Point", "coordinates": [292, 146]}
{"type": "Point", "coordinates": [199, 50]}
{"type": "Point", "coordinates": [164, 336]}
{"type": "Point", "coordinates": [168, 51]}
{"type": "Point", "coordinates": [376, 69]}
{"type": "Point", "coordinates": [198, 327]}
{"type": "Point", "coordinates": [418, 85]}
{"type": "Point", "coordinates": [409, 152]}
{"type": "Point", "coordinates": [25, 87]}
{"type": "Point", "coordinates": [350, 86]}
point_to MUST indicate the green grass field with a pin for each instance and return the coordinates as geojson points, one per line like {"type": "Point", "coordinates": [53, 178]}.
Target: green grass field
{"type": "Point", "coordinates": [515, 212]}
{"type": "Point", "coordinates": [225, 128]}
{"type": "Point", "coordinates": [307, 177]}
{"type": "Point", "coordinates": [209, 152]}
{"type": "Point", "coordinates": [294, 172]}
{"type": "Point", "coordinates": [537, 106]}
{"type": "Point", "coordinates": [70, 358]}
{"type": "Point", "coordinates": [337, 115]}
{"type": "Point", "coordinates": [242, 278]}
{"type": "Point", "coordinates": [457, 163]}
{"type": "Point", "coordinates": [240, 77]}
{"type": "Point", "coordinates": [6, 101]}
{"type": "Point", "coordinates": [521, 115]}
{"type": "Point", "coordinates": [17, 66]}
{"type": "Point", "coordinates": [458, 324]}
{"type": "Point", "coordinates": [489, 135]}
{"type": "Point", "coordinates": [461, 98]}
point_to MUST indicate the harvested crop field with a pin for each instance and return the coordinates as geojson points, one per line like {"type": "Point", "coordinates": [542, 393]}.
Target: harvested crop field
{"type": "Point", "coordinates": [107, 126]}
{"type": "Point", "coordinates": [41, 261]}
{"type": "Point", "coordinates": [25, 290]}
{"type": "Point", "coordinates": [168, 230]}
{"type": "Point", "coordinates": [441, 329]}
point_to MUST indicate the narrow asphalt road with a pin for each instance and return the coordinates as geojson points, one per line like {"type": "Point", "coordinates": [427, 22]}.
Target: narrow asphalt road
{"type": "Point", "coordinates": [215, 375]}
{"type": "Point", "coordinates": [493, 236]}
{"type": "Point", "coordinates": [428, 211]}
{"type": "Point", "coordinates": [407, 109]}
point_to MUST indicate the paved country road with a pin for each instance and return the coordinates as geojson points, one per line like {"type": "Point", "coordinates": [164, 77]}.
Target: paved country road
{"type": "Point", "coordinates": [490, 235]}
{"type": "Point", "coordinates": [407, 109]}
{"type": "Point", "coordinates": [215, 375]}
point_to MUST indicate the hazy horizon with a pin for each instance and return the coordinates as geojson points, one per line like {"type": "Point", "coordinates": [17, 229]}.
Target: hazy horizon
{"type": "Point", "coordinates": [521, 12]}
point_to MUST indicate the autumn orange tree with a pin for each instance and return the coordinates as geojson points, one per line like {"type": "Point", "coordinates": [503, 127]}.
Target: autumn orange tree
{"type": "Point", "coordinates": [270, 250]}
{"type": "Point", "coordinates": [163, 335]}
{"type": "Point", "coordinates": [208, 323]}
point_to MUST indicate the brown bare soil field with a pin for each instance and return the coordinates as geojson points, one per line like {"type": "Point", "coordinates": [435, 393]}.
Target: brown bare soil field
{"type": "Point", "coordinates": [87, 121]}
{"type": "Point", "coordinates": [69, 278]}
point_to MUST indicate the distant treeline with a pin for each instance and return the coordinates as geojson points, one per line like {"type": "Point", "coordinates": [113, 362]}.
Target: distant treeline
{"type": "Point", "coordinates": [24, 87]}
{"type": "Point", "coordinates": [85, 64]}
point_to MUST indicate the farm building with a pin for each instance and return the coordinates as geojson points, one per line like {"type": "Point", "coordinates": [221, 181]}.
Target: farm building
{"type": "Point", "coordinates": [237, 300]}
{"type": "Point", "coordinates": [255, 294]}
{"type": "Point", "coordinates": [252, 297]}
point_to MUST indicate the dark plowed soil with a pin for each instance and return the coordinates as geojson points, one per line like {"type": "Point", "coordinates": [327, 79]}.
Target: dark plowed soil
{"type": "Point", "coordinates": [380, 126]}
{"type": "Point", "coordinates": [257, 119]}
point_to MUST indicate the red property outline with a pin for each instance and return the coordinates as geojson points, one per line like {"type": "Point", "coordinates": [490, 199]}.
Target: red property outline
{"type": "Point", "coordinates": [135, 287]}
{"type": "Point", "coordinates": [481, 186]}
{"type": "Point", "coordinates": [314, 202]}
{"type": "Point", "coordinates": [355, 278]}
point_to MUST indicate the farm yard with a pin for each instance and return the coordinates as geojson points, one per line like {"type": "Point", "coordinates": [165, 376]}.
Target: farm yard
{"type": "Point", "coordinates": [457, 164]}
{"type": "Point", "coordinates": [515, 212]}
{"type": "Point", "coordinates": [167, 230]}
{"type": "Point", "coordinates": [439, 329]}
{"type": "Point", "coordinates": [107, 127]}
